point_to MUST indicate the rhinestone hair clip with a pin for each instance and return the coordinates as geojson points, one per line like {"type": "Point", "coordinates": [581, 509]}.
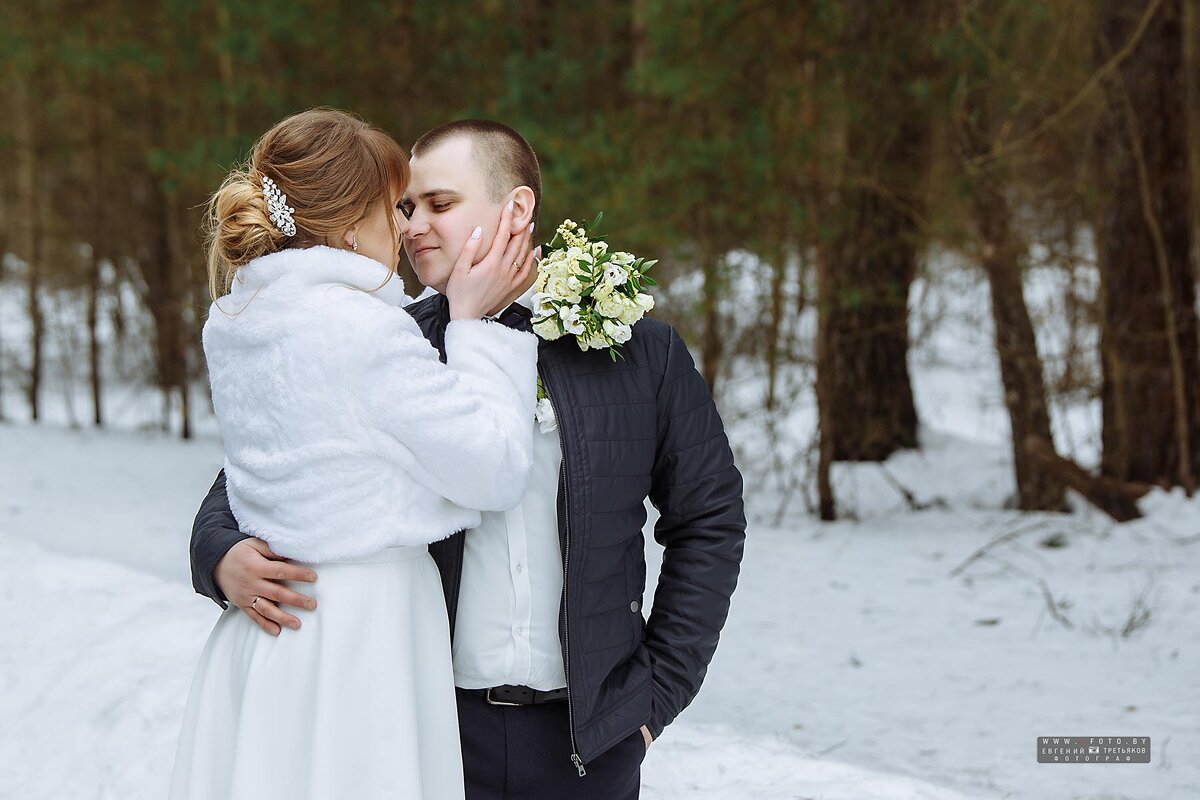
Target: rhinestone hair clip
{"type": "Point", "coordinates": [277, 207]}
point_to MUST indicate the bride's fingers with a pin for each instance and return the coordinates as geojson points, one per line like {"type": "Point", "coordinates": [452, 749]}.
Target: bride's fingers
{"type": "Point", "coordinates": [500, 241]}
{"type": "Point", "coordinates": [518, 249]}
{"type": "Point", "coordinates": [282, 595]}
{"type": "Point", "coordinates": [273, 613]}
{"type": "Point", "coordinates": [466, 259]}
{"type": "Point", "coordinates": [271, 610]}
{"type": "Point", "coordinates": [259, 620]}
{"type": "Point", "coordinates": [530, 264]}
{"type": "Point", "coordinates": [493, 259]}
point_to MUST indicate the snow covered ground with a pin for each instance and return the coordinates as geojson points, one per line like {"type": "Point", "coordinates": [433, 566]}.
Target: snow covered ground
{"type": "Point", "coordinates": [853, 666]}
{"type": "Point", "coordinates": [868, 658]}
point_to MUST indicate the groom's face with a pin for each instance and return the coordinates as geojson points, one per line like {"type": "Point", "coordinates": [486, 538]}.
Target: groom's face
{"type": "Point", "coordinates": [447, 197]}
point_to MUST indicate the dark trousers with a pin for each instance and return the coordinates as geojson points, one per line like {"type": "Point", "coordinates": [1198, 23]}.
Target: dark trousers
{"type": "Point", "coordinates": [524, 753]}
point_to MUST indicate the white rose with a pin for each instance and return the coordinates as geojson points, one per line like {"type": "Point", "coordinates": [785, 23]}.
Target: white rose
{"type": "Point", "coordinates": [617, 332]}
{"type": "Point", "coordinates": [644, 301]}
{"type": "Point", "coordinates": [575, 290]}
{"type": "Point", "coordinates": [548, 329]}
{"type": "Point", "coordinates": [543, 305]}
{"type": "Point", "coordinates": [599, 248]}
{"type": "Point", "coordinates": [610, 306]}
{"type": "Point", "coordinates": [566, 269]}
{"type": "Point", "coordinates": [622, 259]}
{"type": "Point", "coordinates": [616, 275]}
{"type": "Point", "coordinates": [544, 414]}
{"type": "Point", "coordinates": [602, 290]}
{"type": "Point", "coordinates": [595, 341]}
{"type": "Point", "coordinates": [631, 312]}
{"type": "Point", "coordinates": [570, 319]}
{"type": "Point", "coordinates": [557, 287]}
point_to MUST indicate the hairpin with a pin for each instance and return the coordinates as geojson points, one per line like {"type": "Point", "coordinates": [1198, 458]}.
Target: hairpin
{"type": "Point", "coordinates": [277, 207]}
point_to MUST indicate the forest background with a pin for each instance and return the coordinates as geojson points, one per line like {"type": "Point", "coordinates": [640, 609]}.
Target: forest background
{"type": "Point", "coordinates": [798, 167]}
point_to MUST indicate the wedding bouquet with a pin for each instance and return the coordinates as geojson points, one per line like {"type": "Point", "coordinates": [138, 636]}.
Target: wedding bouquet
{"type": "Point", "coordinates": [584, 290]}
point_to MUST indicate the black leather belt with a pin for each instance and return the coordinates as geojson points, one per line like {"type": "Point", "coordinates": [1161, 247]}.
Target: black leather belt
{"type": "Point", "coordinates": [518, 695]}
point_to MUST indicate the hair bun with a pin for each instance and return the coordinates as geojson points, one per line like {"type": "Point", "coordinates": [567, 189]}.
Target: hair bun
{"type": "Point", "coordinates": [239, 227]}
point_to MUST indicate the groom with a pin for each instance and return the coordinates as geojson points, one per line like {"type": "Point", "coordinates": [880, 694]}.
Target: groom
{"type": "Point", "coordinates": [562, 682]}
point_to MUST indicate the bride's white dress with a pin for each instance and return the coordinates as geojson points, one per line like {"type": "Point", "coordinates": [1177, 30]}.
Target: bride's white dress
{"type": "Point", "coordinates": [349, 447]}
{"type": "Point", "coordinates": [358, 703]}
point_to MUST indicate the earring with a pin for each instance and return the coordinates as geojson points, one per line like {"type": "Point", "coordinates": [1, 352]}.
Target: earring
{"type": "Point", "coordinates": [354, 245]}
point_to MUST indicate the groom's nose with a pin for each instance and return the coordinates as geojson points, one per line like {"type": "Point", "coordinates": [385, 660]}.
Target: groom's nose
{"type": "Point", "coordinates": [402, 225]}
{"type": "Point", "coordinates": [416, 225]}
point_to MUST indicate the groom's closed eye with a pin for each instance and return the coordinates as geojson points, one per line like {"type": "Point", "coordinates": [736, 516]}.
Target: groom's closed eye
{"type": "Point", "coordinates": [439, 201]}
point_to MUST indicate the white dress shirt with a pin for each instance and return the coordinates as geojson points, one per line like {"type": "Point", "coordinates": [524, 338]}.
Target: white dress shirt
{"type": "Point", "coordinates": [506, 632]}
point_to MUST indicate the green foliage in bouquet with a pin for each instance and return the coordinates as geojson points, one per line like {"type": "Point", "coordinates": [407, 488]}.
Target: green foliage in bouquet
{"type": "Point", "coordinates": [585, 290]}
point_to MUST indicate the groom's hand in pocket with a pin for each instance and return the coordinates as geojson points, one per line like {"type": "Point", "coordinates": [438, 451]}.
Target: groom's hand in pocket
{"type": "Point", "coordinates": [251, 569]}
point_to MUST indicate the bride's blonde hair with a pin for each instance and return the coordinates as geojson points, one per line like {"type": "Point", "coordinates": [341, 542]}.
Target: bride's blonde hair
{"type": "Point", "coordinates": [333, 167]}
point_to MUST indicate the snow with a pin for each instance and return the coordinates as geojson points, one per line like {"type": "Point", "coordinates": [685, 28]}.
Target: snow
{"type": "Point", "coordinates": [866, 658]}
{"type": "Point", "coordinates": [853, 664]}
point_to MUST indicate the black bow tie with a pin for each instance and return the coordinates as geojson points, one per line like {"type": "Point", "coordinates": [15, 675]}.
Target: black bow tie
{"type": "Point", "coordinates": [517, 317]}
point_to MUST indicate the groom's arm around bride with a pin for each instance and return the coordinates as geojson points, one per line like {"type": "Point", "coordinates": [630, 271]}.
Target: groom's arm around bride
{"type": "Point", "coordinates": [691, 479]}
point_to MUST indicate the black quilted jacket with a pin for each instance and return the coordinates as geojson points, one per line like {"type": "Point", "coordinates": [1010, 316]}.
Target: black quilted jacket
{"type": "Point", "coordinates": [644, 426]}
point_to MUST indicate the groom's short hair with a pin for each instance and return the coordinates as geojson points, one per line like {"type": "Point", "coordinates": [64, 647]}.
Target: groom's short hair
{"type": "Point", "coordinates": [507, 160]}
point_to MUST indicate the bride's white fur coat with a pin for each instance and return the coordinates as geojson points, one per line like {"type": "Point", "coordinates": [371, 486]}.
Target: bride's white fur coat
{"type": "Point", "coordinates": [344, 433]}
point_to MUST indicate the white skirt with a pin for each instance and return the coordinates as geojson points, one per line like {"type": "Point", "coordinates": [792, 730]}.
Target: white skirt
{"type": "Point", "coordinates": [358, 703]}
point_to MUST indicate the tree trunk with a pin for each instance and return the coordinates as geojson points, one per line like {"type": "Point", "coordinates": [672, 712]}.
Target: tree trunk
{"type": "Point", "coordinates": [93, 315]}
{"type": "Point", "coordinates": [873, 263]}
{"type": "Point", "coordinates": [99, 236]}
{"type": "Point", "coordinates": [1116, 498]}
{"type": "Point", "coordinates": [711, 345]}
{"type": "Point", "coordinates": [775, 322]}
{"type": "Point", "coordinates": [30, 200]}
{"type": "Point", "coordinates": [1191, 69]}
{"type": "Point", "coordinates": [826, 399]}
{"type": "Point", "coordinates": [874, 249]}
{"type": "Point", "coordinates": [1038, 489]}
{"type": "Point", "coordinates": [177, 281]}
{"type": "Point", "coordinates": [162, 306]}
{"type": "Point", "coordinates": [4, 248]}
{"type": "Point", "coordinates": [1150, 391]}
{"type": "Point", "coordinates": [1020, 365]}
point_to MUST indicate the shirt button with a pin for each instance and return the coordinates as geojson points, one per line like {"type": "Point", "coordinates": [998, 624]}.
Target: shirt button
{"type": "Point", "coordinates": [520, 631]}
{"type": "Point", "coordinates": [633, 606]}
{"type": "Point", "coordinates": [520, 568]}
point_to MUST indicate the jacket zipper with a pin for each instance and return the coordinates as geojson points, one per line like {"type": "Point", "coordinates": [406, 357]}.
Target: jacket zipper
{"type": "Point", "coordinates": [575, 759]}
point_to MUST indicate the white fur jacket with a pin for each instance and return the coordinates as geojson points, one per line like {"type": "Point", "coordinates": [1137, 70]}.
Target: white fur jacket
{"type": "Point", "coordinates": [344, 433]}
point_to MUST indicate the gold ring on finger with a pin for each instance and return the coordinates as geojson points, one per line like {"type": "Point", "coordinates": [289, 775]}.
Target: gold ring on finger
{"type": "Point", "coordinates": [254, 605]}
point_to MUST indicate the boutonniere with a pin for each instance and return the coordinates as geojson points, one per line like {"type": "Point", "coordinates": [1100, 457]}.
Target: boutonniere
{"type": "Point", "coordinates": [586, 291]}
{"type": "Point", "coordinates": [543, 412]}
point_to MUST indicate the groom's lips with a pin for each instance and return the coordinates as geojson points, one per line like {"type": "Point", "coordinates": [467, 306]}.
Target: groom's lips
{"type": "Point", "coordinates": [420, 251]}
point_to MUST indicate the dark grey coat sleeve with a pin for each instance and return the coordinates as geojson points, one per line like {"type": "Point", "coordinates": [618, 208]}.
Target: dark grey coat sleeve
{"type": "Point", "coordinates": [698, 492]}
{"type": "Point", "coordinates": [213, 533]}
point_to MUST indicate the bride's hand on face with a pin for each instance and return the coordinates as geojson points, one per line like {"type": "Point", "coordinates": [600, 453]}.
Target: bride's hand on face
{"type": "Point", "coordinates": [475, 289]}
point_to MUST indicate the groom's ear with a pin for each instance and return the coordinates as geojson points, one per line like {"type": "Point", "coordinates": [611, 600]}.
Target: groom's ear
{"type": "Point", "coordinates": [523, 210]}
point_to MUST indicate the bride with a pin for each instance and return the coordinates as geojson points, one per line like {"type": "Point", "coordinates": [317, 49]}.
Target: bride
{"type": "Point", "coordinates": [351, 446]}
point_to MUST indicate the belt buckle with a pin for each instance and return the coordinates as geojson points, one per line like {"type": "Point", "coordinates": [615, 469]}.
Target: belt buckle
{"type": "Point", "coordinates": [491, 702]}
